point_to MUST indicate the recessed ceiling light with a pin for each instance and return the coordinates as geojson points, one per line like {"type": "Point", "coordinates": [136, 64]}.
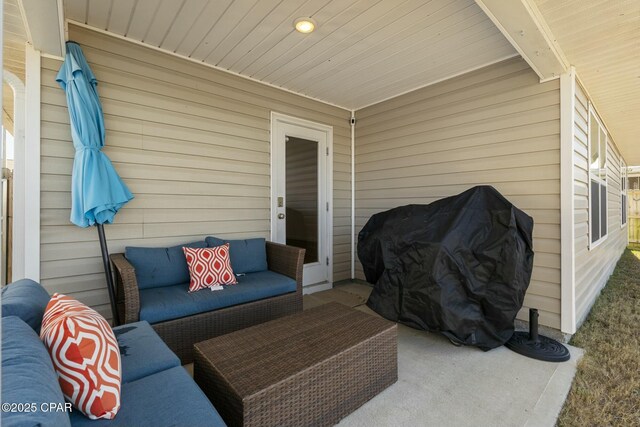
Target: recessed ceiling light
{"type": "Point", "coordinates": [305, 25]}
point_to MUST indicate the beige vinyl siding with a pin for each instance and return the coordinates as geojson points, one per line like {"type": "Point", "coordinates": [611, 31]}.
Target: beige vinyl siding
{"type": "Point", "coordinates": [191, 142]}
{"type": "Point", "coordinates": [497, 126]}
{"type": "Point", "coordinates": [593, 266]}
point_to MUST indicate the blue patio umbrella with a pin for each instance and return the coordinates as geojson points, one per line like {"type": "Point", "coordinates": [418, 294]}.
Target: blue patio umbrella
{"type": "Point", "coordinates": [97, 192]}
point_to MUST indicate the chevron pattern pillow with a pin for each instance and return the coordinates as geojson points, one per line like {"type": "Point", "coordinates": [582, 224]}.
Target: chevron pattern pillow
{"type": "Point", "coordinates": [209, 267]}
{"type": "Point", "coordinates": [85, 356]}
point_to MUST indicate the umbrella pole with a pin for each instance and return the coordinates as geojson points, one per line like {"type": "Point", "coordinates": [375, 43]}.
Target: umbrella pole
{"type": "Point", "coordinates": [107, 272]}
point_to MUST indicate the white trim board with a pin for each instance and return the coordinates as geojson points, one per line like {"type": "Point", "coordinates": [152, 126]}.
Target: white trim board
{"type": "Point", "coordinates": [32, 165]}
{"type": "Point", "coordinates": [19, 177]}
{"type": "Point", "coordinates": [567, 220]}
{"type": "Point", "coordinates": [62, 27]}
{"type": "Point", "coordinates": [523, 26]}
{"type": "Point", "coordinates": [353, 196]}
{"type": "Point", "coordinates": [44, 23]}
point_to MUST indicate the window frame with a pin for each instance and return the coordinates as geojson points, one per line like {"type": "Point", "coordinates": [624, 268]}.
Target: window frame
{"type": "Point", "coordinates": [600, 181]}
{"type": "Point", "coordinates": [624, 197]}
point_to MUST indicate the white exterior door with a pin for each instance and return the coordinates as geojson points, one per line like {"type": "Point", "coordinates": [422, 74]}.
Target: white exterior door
{"type": "Point", "coordinates": [301, 192]}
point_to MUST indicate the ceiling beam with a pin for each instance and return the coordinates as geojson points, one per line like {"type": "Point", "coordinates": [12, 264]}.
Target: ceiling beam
{"type": "Point", "coordinates": [522, 24]}
{"type": "Point", "coordinates": [44, 24]}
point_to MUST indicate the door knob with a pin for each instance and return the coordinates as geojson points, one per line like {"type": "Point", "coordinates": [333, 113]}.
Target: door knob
{"type": "Point", "coordinates": [280, 216]}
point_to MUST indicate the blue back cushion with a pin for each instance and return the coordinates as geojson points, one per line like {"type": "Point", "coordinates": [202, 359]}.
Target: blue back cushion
{"type": "Point", "coordinates": [158, 267]}
{"type": "Point", "coordinates": [247, 256]}
{"type": "Point", "coordinates": [28, 377]}
{"type": "Point", "coordinates": [27, 300]}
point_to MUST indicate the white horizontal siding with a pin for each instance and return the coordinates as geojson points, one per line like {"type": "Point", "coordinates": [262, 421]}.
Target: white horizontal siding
{"type": "Point", "coordinates": [496, 126]}
{"type": "Point", "coordinates": [192, 143]}
{"type": "Point", "coordinates": [593, 266]}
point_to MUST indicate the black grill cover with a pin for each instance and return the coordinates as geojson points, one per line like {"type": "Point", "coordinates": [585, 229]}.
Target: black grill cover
{"type": "Point", "coordinates": [460, 265]}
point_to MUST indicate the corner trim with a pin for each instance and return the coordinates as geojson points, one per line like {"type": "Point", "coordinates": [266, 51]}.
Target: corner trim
{"type": "Point", "coordinates": [353, 195]}
{"type": "Point", "coordinates": [32, 164]}
{"type": "Point", "coordinates": [567, 221]}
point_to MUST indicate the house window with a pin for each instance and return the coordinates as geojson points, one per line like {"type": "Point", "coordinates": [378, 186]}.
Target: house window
{"type": "Point", "coordinates": [623, 194]}
{"type": "Point", "coordinates": [597, 179]}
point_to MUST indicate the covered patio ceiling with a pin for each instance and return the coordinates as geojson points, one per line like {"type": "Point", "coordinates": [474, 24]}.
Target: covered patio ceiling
{"type": "Point", "coordinates": [601, 38]}
{"type": "Point", "coordinates": [362, 52]}
{"type": "Point", "coordinates": [366, 51]}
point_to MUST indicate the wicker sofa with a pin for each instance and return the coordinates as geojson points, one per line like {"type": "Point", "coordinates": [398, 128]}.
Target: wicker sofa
{"type": "Point", "coordinates": [181, 333]}
{"type": "Point", "coordinates": [148, 366]}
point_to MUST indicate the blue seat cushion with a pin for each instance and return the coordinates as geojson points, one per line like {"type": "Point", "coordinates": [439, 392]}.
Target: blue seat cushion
{"type": "Point", "coordinates": [142, 351]}
{"type": "Point", "coordinates": [157, 267]}
{"type": "Point", "coordinates": [168, 398]}
{"type": "Point", "coordinates": [28, 377]}
{"type": "Point", "coordinates": [247, 256]}
{"type": "Point", "coordinates": [174, 302]}
{"type": "Point", "coordinates": [27, 300]}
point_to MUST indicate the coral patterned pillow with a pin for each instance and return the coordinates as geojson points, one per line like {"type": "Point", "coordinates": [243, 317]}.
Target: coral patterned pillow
{"type": "Point", "coordinates": [209, 267]}
{"type": "Point", "coordinates": [85, 356]}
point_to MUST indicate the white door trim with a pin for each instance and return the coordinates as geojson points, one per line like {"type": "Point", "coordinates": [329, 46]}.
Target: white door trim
{"type": "Point", "coordinates": [278, 119]}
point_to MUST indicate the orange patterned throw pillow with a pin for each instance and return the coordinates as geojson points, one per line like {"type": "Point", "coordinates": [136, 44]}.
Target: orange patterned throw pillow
{"type": "Point", "coordinates": [85, 355]}
{"type": "Point", "coordinates": [209, 267]}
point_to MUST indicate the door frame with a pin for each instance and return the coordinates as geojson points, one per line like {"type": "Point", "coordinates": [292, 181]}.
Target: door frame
{"type": "Point", "coordinates": [278, 119]}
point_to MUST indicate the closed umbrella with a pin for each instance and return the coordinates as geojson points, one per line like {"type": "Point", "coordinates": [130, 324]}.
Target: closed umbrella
{"type": "Point", "coordinates": [97, 192]}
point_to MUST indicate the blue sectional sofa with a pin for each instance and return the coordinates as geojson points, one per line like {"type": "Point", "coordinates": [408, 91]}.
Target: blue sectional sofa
{"type": "Point", "coordinates": [153, 283]}
{"type": "Point", "coordinates": [156, 390]}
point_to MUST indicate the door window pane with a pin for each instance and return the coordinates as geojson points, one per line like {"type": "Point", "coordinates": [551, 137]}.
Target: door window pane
{"type": "Point", "coordinates": [302, 195]}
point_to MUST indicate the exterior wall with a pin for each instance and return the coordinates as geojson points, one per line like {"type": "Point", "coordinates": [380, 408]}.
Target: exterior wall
{"type": "Point", "coordinates": [498, 126]}
{"type": "Point", "coordinates": [593, 266]}
{"type": "Point", "coordinates": [191, 142]}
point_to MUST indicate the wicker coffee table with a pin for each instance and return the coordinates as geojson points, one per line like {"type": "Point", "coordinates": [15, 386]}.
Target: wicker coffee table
{"type": "Point", "coordinates": [310, 368]}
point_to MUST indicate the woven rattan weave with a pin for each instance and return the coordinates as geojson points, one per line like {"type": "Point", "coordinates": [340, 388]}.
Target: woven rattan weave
{"type": "Point", "coordinates": [181, 334]}
{"type": "Point", "coordinates": [308, 369]}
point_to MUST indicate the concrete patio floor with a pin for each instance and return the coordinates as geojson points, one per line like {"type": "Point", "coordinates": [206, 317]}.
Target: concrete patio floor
{"type": "Point", "coordinates": [440, 384]}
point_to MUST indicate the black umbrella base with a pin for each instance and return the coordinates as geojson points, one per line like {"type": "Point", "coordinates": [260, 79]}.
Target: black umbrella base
{"type": "Point", "coordinates": [544, 348]}
{"type": "Point", "coordinates": [536, 346]}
